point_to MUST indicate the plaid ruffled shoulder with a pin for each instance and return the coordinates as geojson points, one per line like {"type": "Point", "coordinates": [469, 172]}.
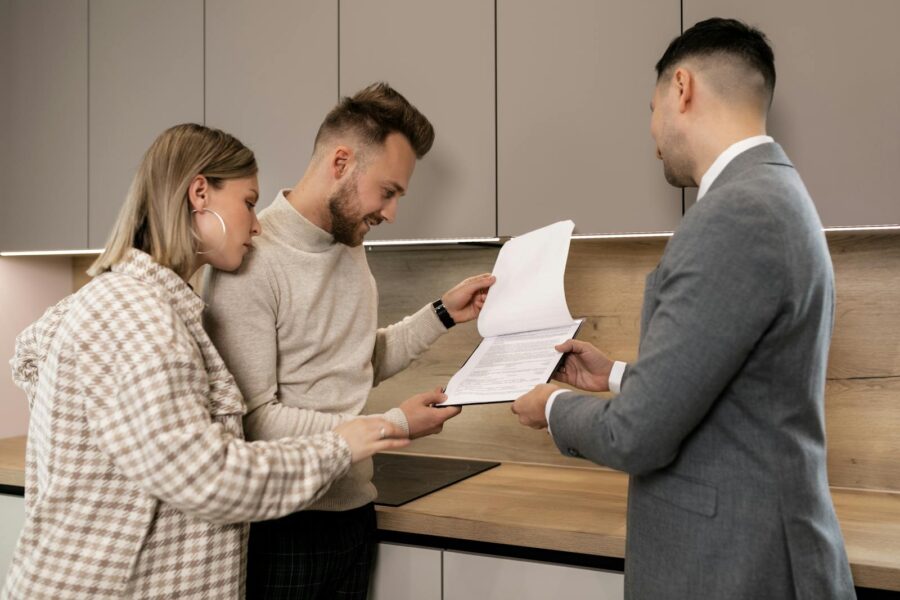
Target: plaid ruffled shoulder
{"type": "Point", "coordinates": [32, 346]}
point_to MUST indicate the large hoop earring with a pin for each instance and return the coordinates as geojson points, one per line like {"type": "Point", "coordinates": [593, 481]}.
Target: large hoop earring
{"type": "Point", "coordinates": [221, 222]}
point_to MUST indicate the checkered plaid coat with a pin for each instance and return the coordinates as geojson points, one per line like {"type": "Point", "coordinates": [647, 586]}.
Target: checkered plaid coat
{"type": "Point", "coordinates": [138, 481]}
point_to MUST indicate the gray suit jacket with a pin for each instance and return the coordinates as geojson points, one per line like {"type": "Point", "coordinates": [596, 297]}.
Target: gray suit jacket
{"type": "Point", "coordinates": [720, 420]}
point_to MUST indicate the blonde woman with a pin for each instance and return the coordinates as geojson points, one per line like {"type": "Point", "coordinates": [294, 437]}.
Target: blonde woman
{"type": "Point", "coordinates": [138, 481]}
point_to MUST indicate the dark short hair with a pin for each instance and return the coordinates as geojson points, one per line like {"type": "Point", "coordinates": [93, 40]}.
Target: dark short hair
{"type": "Point", "coordinates": [373, 113]}
{"type": "Point", "coordinates": [727, 37]}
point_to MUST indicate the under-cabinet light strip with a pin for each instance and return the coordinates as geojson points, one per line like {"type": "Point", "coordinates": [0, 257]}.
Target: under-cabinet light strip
{"type": "Point", "coordinates": [431, 242]}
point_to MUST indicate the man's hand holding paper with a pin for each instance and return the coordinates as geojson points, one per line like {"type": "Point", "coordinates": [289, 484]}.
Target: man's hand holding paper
{"type": "Point", "coordinates": [584, 366]}
{"type": "Point", "coordinates": [465, 300]}
{"type": "Point", "coordinates": [523, 318]}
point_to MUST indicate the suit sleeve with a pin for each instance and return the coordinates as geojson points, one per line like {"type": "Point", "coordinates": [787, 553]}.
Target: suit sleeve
{"type": "Point", "coordinates": [718, 290]}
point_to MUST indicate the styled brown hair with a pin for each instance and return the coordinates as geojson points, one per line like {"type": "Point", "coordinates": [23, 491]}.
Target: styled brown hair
{"type": "Point", "coordinates": [373, 113]}
{"type": "Point", "coordinates": [156, 216]}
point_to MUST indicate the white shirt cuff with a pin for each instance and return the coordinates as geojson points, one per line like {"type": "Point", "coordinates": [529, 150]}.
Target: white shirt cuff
{"type": "Point", "coordinates": [549, 407]}
{"type": "Point", "coordinates": [615, 377]}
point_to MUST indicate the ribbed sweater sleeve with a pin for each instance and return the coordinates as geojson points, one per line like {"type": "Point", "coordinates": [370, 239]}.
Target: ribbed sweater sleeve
{"type": "Point", "coordinates": [401, 343]}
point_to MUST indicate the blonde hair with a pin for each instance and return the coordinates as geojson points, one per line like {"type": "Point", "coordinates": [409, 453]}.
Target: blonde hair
{"type": "Point", "coordinates": [156, 216]}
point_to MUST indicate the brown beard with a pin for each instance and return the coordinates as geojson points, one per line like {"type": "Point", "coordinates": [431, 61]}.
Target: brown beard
{"type": "Point", "coordinates": [345, 221]}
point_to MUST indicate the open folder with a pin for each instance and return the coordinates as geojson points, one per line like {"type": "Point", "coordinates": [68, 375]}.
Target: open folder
{"type": "Point", "coordinates": [524, 316]}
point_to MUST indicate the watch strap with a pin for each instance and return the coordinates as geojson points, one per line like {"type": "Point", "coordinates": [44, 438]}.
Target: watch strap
{"type": "Point", "coordinates": [442, 313]}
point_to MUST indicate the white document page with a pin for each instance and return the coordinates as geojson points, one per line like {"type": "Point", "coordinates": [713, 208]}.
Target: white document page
{"type": "Point", "coordinates": [529, 292]}
{"type": "Point", "coordinates": [504, 367]}
{"type": "Point", "coordinates": [524, 316]}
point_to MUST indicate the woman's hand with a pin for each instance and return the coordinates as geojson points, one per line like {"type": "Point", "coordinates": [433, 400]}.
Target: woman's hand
{"type": "Point", "coordinates": [369, 435]}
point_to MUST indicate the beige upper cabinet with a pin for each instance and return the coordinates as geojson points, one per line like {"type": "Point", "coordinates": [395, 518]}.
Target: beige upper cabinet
{"type": "Point", "coordinates": [440, 56]}
{"type": "Point", "coordinates": [146, 74]}
{"type": "Point", "coordinates": [44, 53]}
{"type": "Point", "coordinates": [837, 95]}
{"type": "Point", "coordinates": [271, 76]}
{"type": "Point", "coordinates": [574, 83]}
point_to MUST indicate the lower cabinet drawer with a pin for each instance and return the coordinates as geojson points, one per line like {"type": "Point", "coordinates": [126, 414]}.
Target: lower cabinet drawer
{"type": "Point", "coordinates": [480, 577]}
{"type": "Point", "coordinates": [406, 573]}
{"type": "Point", "coordinates": [12, 518]}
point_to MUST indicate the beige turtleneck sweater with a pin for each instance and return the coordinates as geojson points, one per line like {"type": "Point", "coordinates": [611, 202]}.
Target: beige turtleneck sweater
{"type": "Point", "coordinates": [297, 327]}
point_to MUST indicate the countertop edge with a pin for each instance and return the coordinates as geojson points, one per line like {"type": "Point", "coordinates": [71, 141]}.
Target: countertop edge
{"type": "Point", "coordinates": [526, 536]}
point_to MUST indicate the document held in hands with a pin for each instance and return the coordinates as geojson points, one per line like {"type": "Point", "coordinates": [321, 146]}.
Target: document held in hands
{"type": "Point", "coordinates": [524, 316]}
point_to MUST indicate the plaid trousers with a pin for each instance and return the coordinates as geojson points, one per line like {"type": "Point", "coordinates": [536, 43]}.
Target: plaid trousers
{"type": "Point", "coordinates": [312, 555]}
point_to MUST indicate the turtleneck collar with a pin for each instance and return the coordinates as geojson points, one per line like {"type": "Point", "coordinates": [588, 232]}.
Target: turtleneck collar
{"type": "Point", "coordinates": [287, 224]}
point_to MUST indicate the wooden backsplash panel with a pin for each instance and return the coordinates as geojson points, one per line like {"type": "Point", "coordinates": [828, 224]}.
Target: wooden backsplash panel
{"type": "Point", "coordinates": [80, 265]}
{"type": "Point", "coordinates": [866, 339]}
{"type": "Point", "coordinates": [604, 283]}
{"type": "Point", "coordinates": [862, 399]}
{"type": "Point", "coordinates": [863, 427]}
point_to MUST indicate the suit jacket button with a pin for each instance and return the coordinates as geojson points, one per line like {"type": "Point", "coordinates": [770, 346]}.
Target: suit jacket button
{"type": "Point", "coordinates": [572, 452]}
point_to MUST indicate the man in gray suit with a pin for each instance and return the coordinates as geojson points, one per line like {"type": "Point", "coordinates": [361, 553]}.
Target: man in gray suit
{"type": "Point", "coordinates": [720, 420]}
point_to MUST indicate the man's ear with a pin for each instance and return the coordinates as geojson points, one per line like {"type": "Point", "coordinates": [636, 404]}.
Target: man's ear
{"type": "Point", "coordinates": [684, 81]}
{"type": "Point", "coordinates": [198, 193]}
{"type": "Point", "coordinates": [340, 161]}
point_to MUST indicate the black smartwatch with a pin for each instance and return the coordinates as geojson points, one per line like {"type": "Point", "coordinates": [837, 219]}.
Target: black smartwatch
{"type": "Point", "coordinates": [442, 313]}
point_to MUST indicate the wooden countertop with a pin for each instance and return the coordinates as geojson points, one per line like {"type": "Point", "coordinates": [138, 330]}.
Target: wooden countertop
{"type": "Point", "coordinates": [582, 511]}
{"type": "Point", "coordinates": [12, 461]}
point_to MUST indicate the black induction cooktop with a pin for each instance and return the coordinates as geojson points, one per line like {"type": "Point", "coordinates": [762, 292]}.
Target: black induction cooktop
{"type": "Point", "coordinates": [402, 478]}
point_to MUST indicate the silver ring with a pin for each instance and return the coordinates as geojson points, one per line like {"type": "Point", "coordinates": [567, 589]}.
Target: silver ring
{"type": "Point", "coordinates": [382, 434]}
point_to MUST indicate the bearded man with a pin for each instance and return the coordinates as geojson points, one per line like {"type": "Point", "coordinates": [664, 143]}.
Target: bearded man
{"type": "Point", "coordinates": [297, 326]}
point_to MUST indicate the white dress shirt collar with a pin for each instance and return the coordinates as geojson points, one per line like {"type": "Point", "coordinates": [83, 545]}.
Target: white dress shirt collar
{"type": "Point", "coordinates": [726, 157]}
